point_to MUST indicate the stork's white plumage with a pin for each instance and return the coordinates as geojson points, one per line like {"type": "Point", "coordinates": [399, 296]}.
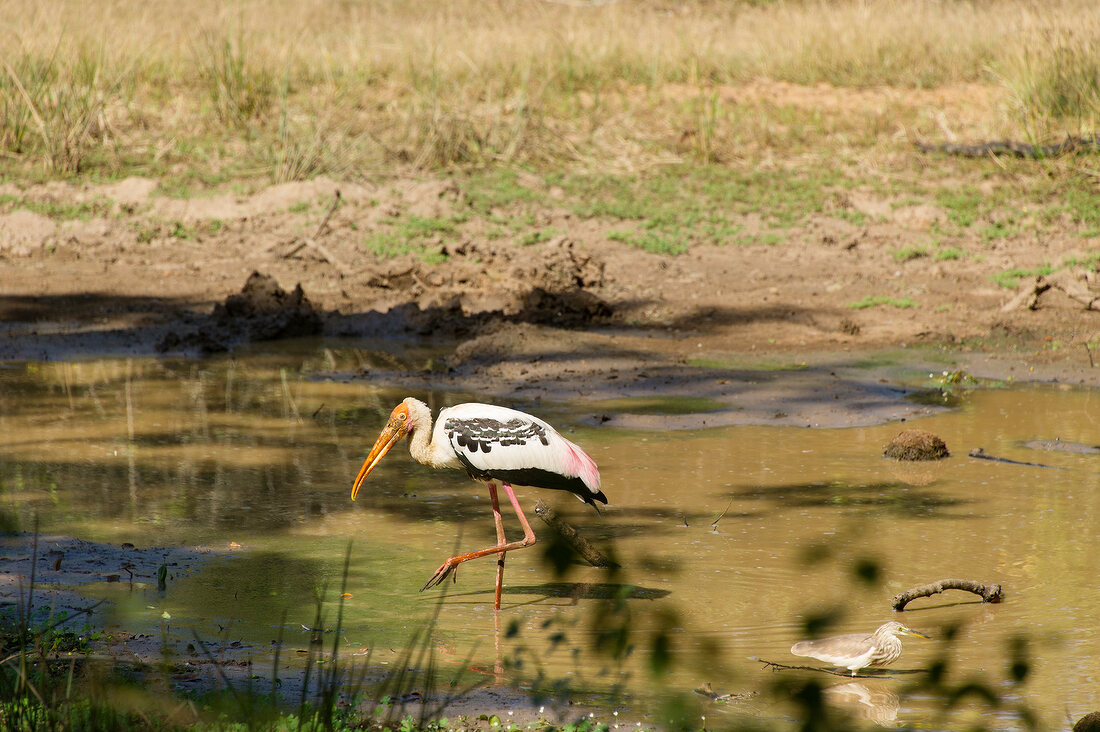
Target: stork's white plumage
{"type": "Point", "coordinates": [493, 444]}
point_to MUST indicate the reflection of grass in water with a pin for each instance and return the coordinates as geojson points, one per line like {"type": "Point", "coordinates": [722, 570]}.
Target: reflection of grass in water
{"type": "Point", "coordinates": [658, 405]}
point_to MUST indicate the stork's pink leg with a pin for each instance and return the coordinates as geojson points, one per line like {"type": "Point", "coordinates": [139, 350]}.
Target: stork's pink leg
{"type": "Point", "coordinates": [501, 539]}
{"type": "Point", "coordinates": [528, 539]}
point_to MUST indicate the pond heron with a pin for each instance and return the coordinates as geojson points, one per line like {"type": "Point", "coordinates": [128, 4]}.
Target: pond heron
{"type": "Point", "coordinates": [858, 650]}
{"type": "Point", "coordinates": [492, 444]}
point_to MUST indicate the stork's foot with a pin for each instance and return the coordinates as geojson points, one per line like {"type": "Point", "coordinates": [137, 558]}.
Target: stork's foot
{"type": "Point", "coordinates": [450, 567]}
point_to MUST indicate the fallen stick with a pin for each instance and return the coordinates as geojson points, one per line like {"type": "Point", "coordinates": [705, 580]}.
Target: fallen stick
{"type": "Point", "coordinates": [874, 673]}
{"type": "Point", "coordinates": [582, 546]}
{"type": "Point", "coordinates": [980, 454]}
{"type": "Point", "coordinates": [988, 593]}
{"type": "Point", "coordinates": [1070, 285]}
{"type": "Point", "coordinates": [331, 210]}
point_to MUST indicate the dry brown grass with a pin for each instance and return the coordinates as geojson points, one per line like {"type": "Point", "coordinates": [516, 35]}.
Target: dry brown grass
{"type": "Point", "coordinates": [295, 88]}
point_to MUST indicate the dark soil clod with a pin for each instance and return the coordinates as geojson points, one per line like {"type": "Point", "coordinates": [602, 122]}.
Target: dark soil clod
{"type": "Point", "coordinates": [262, 311]}
{"type": "Point", "coordinates": [916, 445]}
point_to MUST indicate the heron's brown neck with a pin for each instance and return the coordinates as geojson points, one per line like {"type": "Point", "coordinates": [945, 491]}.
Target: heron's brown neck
{"type": "Point", "coordinates": [887, 647]}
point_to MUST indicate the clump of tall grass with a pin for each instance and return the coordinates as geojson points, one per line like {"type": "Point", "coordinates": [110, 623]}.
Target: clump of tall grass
{"type": "Point", "coordinates": [240, 88]}
{"type": "Point", "coordinates": [54, 107]}
{"type": "Point", "coordinates": [1055, 79]}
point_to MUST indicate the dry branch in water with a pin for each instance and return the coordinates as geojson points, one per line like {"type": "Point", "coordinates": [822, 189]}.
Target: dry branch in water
{"type": "Point", "coordinates": [582, 546]}
{"type": "Point", "coordinates": [988, 593]}
{"type": "Point", "coordinates": [877, 673]}
{"type": "Point", "coordinates": [980, 454]}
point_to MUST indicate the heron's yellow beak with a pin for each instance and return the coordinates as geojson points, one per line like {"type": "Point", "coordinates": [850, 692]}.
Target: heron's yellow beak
{"type": "Point", "coordinates": [917, 633]}
{"type": "Point", "coordinates": [391, 433]}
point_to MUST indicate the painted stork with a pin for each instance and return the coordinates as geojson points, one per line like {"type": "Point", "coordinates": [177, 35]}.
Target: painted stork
{"type": "Point", "coordinates": [493, 444]}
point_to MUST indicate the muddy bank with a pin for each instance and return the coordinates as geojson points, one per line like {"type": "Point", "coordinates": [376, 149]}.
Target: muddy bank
{"type": "Point", "coordinates": [561, 309]}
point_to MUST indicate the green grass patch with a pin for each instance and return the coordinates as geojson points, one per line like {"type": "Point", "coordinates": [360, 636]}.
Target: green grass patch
{"type": "Point", "coordinates": [651, 241]}
{"type": "Point", "coordinates": [67, 210]}
{"type": "Point", "coordinates": [1090, 261]}
{"type": "Point", "coordinates": [905, 254]}
{"type": "Point", "coordinates": [1010, 278]}
{"type": "Point", "coordinates": [768, 238]}
{"type": "Point", "coordinates": [659, 405]}
{"type": "Point", "coordinates": [999, 230]}
{"type": "Point", "coordinates": [874, 301]}
{"type": "Point", "coordinates": [497, 189]}
{"type": "Point", "coordinates": [1083, 205]}
{"type": "Point", "coordinates": [963, 205]}
{"type": "Point", "coordinates": [421, 226]}
{"type": "Point", "coordinates": [537, 236]}
{"type": "Point", "coordinates": [948, 254]}
{"type": "Point", "coordinates": [149, 229]}
{"type": "Point", "coordinates": [719, 363]}
{"type": "Point", "coordinates": [852, 216]}
{"type": "Point", "coordinates": [418, 235]}
{"type": "Point", "coordinates": [697, 204]}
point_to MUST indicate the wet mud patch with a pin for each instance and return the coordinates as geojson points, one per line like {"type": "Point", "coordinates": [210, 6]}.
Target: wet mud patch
{"type": "Point", "coordinates": [524, 363]}
{"type": "Point", "coordinates": [261, 311]}
{"type": "Point", "coordinates": [60, 565]}
{"type": "Point", "coordinates": [476, 284]}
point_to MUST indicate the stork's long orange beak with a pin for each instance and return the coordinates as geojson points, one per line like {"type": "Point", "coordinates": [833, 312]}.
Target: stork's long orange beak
{"type": "Point", "coordinates": [391, 433]}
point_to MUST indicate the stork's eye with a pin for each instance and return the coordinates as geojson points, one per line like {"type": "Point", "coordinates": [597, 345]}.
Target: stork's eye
{"type": "Point", "coordinates": [402, 416]}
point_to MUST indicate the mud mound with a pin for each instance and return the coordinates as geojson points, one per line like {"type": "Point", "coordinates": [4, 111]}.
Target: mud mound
{"type": "Point", "coordinates": [572, 307]}
{"type": "Point", "coordinates": [262, 311]}
{"type": "Point", "coordinates": [916, 445]}
{"type": "Point", "coordinates": [551, 284]}
{"type": "Point", "coordinates": [560, 266]}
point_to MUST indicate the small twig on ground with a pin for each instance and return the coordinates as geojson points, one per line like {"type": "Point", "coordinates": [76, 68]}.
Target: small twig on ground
{"type": "Point", "coordinates": [988, 592]}
{"type": "Point", "coordinates": [311, 242]}
{"type": "Point", "coordinates": [582, 546]}
{"type": "Point", "coordinates": [1064, 281]}
{"type": "Point", "coordinates": [331, 210]}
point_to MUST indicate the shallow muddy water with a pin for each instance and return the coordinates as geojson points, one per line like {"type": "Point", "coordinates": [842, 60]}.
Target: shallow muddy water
{"type": "Point", "coordinates": [730, 538]}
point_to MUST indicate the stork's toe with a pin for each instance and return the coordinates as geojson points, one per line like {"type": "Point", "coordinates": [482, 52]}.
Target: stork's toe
{"type": "Point", "coordinates": [450, 567]}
